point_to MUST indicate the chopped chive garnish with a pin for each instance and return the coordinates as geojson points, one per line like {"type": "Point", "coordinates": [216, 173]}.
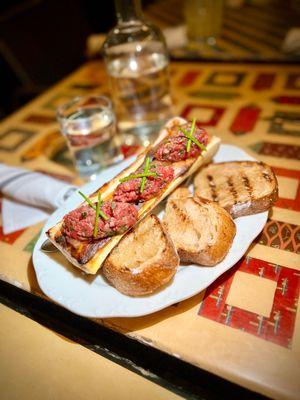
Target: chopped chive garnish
{"type": "Point", "coordinates": [99, 213]}
{"type": "Point", "coordinates": [188, 146]}
{"type": "Point", "coordinates": [194, 140]}
{"type": "Point", "coordinates": [144, 175]}
{"type": "Point", "coordinates": [135, 176]}
{"type": "Point", "coordinates": [189, 142]}
{"type": "Point", "coordinates": [191, 138]}
{"type": "Point", "coordinates": [87, 200]}
{"type": "Point", "coordinates": [102, 215]}
{"type": "Point", "coordinates": [97, 216]}
{"type": "Point", "coordinates": [97, 209]}
{"type": "Point", "coordinates": [146, 171]}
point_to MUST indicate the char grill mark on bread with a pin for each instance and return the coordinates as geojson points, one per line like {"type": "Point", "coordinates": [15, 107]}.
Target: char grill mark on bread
{"type": "Point", "coordinates": [248, 185]}
{"type": "Point", "coordinates": [201, 230]}
{"type": "Point", "coordinates": [232, 190]}
{"type": "Point", "coordinates": [143, 261]}
{"type": "Point", "coordinates": [241, 187]}
{"type": "Point", "coordinates": [212, 186]}
{"type": "Point", "coordinates": [182, 170]}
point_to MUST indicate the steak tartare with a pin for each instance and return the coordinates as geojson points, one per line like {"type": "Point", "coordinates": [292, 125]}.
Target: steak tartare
{"type": "Point", "coordinates": [79, 223]}
{"type": "Point", "coordinates": [174, 148]}
{"type": "Point", "coordinates": [130, 191]}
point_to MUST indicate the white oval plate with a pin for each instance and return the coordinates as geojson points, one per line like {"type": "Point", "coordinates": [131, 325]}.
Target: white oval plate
{"type": "Point", "coordinates": [92, 296]}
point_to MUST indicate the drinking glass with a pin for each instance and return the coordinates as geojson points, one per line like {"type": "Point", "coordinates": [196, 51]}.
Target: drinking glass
{"type": "Point", "coordinates": [88, 123]}
{"type": "Point", "coordinates": [204, 21]}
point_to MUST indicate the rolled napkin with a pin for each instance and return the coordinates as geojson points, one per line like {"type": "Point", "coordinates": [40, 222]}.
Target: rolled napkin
{"type": "Point", "coordinates": [29, 197]}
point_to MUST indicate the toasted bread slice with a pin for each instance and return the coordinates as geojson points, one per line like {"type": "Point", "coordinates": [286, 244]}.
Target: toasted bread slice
{"type": "Point", "coordinates": [201, 230]}
{"type": "Point", "coordinates": [241, 187]}
{"type": "Point", "coordinates": [143, 261]}
{"type": "Point", "coordinates": [181, 192]}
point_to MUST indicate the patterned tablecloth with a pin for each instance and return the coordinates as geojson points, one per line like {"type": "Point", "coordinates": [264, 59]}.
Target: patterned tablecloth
{"type": "Point", "coordinates": [246, 326]}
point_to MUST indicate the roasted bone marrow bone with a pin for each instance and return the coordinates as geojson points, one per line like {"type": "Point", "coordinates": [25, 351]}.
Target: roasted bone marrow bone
{"type": "Point", "coordinates": [88, 234]}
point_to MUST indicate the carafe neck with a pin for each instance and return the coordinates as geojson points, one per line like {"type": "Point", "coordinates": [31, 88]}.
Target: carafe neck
{"type": "Point", "coordinates": [128, 11]}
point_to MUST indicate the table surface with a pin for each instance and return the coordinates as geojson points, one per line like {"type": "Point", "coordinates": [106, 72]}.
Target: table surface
{"type": "Point", "coordinates": [53, 367]}
{"type": "Point", "coordinates": [246, 326]}
{"type": "Point", "coordinates": [252, 32]}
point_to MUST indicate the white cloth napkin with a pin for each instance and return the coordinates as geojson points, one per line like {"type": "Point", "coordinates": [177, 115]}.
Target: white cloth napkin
{"type": "Point", "coordinates": [29, 197]}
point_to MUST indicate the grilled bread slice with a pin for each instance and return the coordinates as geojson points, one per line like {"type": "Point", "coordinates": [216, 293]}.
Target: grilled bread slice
{"type": "Point", "coordinates": [180, 193]}
{"type": "Point", "coordinates": [144, 260]}
{"type": "Point", "coordinates": [241, 187]}
{"type": "Point", "coordinates": [201, 230]}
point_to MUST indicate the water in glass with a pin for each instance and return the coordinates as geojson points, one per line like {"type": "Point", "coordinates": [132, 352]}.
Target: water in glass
{"type": "Point", "coordinates": [89, 127]}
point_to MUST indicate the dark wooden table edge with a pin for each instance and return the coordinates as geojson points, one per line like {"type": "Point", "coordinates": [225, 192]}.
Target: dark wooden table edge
{"type": "Point", "coordinates": [205, 60]}
{"type": "Point", "coordinates": [161, 368]}
{"type": "Point", "coordinates": [266, 62]}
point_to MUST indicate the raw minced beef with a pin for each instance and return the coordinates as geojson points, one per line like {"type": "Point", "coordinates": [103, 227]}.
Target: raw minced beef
{"type": "Point", "coordinates": [79, 224]}
{"type": "Point", "coordinates": [174, 149]}
{"type": "Point", "coordinates": [130, 191]}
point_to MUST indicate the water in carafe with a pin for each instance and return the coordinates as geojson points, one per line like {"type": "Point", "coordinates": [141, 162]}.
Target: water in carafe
{"type": "Point", "coordinates": [137, 64]}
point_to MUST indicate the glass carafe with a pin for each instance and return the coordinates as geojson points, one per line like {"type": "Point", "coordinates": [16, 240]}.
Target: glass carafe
{"type": "Point", "coordinates": [137, 63]}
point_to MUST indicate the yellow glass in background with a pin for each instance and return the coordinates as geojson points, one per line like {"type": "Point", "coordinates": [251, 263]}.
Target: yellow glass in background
{"type": "Point", "coordinates": [203, 20]}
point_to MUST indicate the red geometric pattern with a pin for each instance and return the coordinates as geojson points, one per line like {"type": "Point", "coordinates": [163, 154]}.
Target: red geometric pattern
{"type": "Point", "coordinates": [279, 327]}
{"type": "Point", "coordinates": [263, 81]}
{"type": "Point", "coordinates": [217, 113]}
{"type": "Point", "coordinates": [11, 237]}
{"type": "Point", "coordinates": [188, 78]}
{"type": "Point", "coordinates": [286, 99]}
{"type": "Point", "coordinates": [290, 204]}
{"type": "Point", "coordinates": [245, 120]}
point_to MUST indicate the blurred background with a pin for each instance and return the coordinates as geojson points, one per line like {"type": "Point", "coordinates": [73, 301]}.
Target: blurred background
{"type": "Point", "coordinates": [41, 41]}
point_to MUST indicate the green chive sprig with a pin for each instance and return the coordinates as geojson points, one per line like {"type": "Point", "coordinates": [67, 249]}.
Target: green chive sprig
{"type": "Point", "coordinates": [95, 232]}
{"type": "Point", "coordinates": [97, 208]}
{"type": "Point", "coordinates": [87, 200]}
{"type": "Point", "coordinates": [99, 213]}
{"type": "Point", "coordinates": [135, 176]}
{"type": "Point", "coordinates": [144, 175]}
{"type": "Point", "coordinates": [146, 171]}
{"type": "Point", "coordinates": [191, 138]}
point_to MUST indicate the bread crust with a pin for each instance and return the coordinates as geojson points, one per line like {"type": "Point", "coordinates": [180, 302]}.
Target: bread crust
{"type": "Point", "coordinates": [180, 193]}
{"type": "Point", "coordinates": [225, 233]}
{"type": "Point", "coordinates": [150, 276]}
{"type": "Point", "coordinates": [253, 206]}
